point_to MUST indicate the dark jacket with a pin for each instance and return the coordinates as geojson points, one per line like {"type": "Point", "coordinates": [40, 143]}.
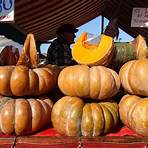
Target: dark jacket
{"type": "Point", "coordinates": [59, 53]}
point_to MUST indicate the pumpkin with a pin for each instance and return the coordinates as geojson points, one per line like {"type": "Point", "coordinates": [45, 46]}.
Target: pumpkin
{"type": "Point", "coordinates": [134, 77]}
{"type": "Point", "coordinates": [86, 53]}
{"type": "Point", "coordinates": [26, 79]}
{"type": "Point", "coordinates": [133, 113]}
{"type": "Point", "coordinates": [97, 82]}
{"type": "Point", "coordinates": [141, 47]}
{"type": "Point", "coordinates": [72, 117]}
{"type": "Point", "coordinates": [24, 116]}
{"type": "Point", "coordinates": [9, 55]}
{"type": "Point", "coordinates": [125, 52]}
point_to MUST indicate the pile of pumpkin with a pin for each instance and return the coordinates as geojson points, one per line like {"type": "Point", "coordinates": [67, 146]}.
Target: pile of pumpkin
{"type": "Point", "coordinates": [100, 82]}
{"type": "Point", "coordinates": [23, 107]}
{"type": "Point", "coordinates": [88, 109]}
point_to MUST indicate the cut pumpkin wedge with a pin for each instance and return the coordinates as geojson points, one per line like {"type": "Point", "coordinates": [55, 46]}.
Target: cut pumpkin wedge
{"type": "Point", "coordinates": [86, 53]}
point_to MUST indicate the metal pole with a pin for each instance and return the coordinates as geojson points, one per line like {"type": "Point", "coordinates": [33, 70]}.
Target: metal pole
{"type": "Point", "coordinates": [102, 24]}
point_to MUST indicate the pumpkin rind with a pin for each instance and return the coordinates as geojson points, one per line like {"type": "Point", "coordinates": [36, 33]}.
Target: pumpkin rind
{"type": "Point", "coordinates": [26, 79]}
{"type": "Point", "coordinates": [133, 113]}
{"type": "Point", "coordinates": [141, 47]}
{"type": "Point", "coordinates": [125, 104]}
{"type": "Point", "coordinates": [21, 81]}
{"type": "Point", "coordinates": [7, 117]}
{"type": "Point", "coordinates": [125, 52]}
{"type": "Point", "coordinates": [134, 78]}
{"type": "Point", "coordinates": [37, 113]}
{"type": "Point", "coordinates": [77, 118]}
{"type": "Point", "coordinates": [24, 116]}
{"type": "Point", "coordinates": [97, 82]}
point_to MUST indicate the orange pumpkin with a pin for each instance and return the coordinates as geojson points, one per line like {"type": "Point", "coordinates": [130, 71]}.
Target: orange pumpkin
{"type": "Point", "coordinates": [134, 77]}
{"type": "Point", "coordinates": [93, 54]}
{"type": "Point", "coordinates": [24, 116]}
{"type": "Point", "coordinates": [9, 56]}
{"type": "Point", "coordinates": [97, 82]}
{"type": "Point", "coordinates": [25, 78]}
{"type": "Point", "coordinates": [141, 47]}
{"type": "Point", "coordinates": [133, 113]}
{"type": "Point", "coordinates": [72, 117]}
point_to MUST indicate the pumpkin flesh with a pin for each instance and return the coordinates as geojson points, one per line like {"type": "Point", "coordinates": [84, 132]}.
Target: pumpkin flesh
{"type": "Point", "coordinates": [85, 53]}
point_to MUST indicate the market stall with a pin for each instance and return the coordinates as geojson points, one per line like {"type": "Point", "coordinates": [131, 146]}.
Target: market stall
{"type": "Point", "coordinates": [102, 102]}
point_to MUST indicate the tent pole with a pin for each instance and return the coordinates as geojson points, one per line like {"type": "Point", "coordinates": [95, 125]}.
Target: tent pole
{"type": "Point", "coordinates": [102, 24]}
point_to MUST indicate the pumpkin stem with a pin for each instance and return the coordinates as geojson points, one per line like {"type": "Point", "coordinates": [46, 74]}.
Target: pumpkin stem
{"type": "Point", "coordinates": [28, 56]}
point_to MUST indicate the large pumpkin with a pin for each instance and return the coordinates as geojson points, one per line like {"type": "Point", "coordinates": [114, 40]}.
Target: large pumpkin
{"type": "Point", "coordinates": [97, 82]}
{"type": "Point", "coordinates": [125, 52]}
{"type": "Point", "coordinates": [93, 54]}
{"type": "Point", "coordinates": [23, 116]}
{"type": "Point", "coordinates": [134, 77]}
{"type": "Point", "coordinates": [25, 78]}
{"type": "Point", "coordinates": [72, 117]}
{"type": "Point", "coordinates": [133, 113]}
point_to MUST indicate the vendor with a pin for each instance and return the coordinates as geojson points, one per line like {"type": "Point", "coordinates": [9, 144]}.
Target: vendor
{"type": "Point", "coordinates": [59, 52]}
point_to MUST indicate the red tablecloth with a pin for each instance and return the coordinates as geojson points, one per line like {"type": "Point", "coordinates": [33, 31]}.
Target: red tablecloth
{"type": "Point", "coordinates": [124, 131]}
{"type": "Point", "coordinates": [50, 138]}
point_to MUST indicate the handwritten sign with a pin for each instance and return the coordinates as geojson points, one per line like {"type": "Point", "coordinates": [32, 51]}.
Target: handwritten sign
{"type": "Point", "coordinates": [139, 17]}
{"type": "Point", "coordinates": [6, 10]}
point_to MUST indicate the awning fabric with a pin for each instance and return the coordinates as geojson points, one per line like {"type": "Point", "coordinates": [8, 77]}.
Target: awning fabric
{"type": "Point", "coordinates": [42, 17]}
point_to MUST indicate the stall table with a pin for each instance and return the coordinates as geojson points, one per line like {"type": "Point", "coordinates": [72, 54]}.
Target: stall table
{"type": "Point", "coordinates": [49, 138]}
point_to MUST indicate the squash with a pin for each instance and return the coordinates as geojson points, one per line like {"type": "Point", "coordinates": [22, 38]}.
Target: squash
{"type": "Point", "coordinates": [125, 52]}
{"type": "Point", "coordinates": [24, 116]}
{"type": "Point", "coordinates": [134, 77]}
{"type": "Point", "coordinates": [141, 47]}
{"type": "Point", "coordinates": [72, 117]}
{"type": "Point", "coordinates": [86, 53]}
{"type": "Point", "coordinates": [97, 82]}
{"type": "Point", "coordinates": [26, 79]}
{"type": "Point", "coordinates": [9, 55]}
{"type": "Point", "coordinates": [133, 113]}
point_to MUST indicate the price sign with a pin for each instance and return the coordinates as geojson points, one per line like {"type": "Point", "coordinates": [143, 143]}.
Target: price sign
{"type": "Point", "coordinates": [139, 17]}
{"type": "Point", "coordinates": [6, 10]}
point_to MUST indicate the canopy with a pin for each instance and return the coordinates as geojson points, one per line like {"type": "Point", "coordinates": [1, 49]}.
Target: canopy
{"type": "Point", "coordinates": [42, 17]}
